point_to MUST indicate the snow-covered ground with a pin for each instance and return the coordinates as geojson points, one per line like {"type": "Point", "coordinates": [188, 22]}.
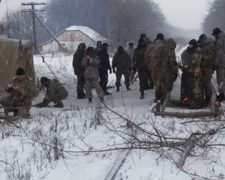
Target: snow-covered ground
{"type": "Point", "coordinates": [27, 149]}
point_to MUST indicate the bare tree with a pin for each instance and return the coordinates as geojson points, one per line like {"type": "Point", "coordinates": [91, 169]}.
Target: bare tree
{"type": "Point", "coordinates": [215, 17]}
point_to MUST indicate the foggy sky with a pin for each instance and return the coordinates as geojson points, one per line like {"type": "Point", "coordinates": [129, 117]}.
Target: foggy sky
{"type": "Point", "coordinates": [13, 5]}
{"type": "Point", "coordinates": [187, 14]}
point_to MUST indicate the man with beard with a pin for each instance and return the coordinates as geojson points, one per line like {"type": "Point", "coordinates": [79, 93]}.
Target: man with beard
{"type": "Point", "coordinates": [104, 67]}
{"type": "Point", "coordinates": [122, 63]}
{"type": "Point", "coordinates": [79, 70]}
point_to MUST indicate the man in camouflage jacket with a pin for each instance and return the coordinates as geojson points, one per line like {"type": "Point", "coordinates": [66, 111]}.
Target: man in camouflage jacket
{"type": "Point", "coordinates": [196, 73]}
{"type": "Point", "coordinates": [91, 64]}
{"type": "Point", "coordinates": [21, 92]}
{"type": "Point", "coordinates": [207, 66]}
{"type": "Point", "coordinates": [56, 92]}
{"type": "Point", "coordinates": [167, 71]}
{"type": "Point", "coordinates": [152, 56]}
{"type": "Point", "coordinates": [220, 60]}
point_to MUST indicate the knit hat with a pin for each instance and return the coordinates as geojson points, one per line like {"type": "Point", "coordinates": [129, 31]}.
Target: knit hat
{"type": "Point", "coordinates": [160, 36]}
{"type": "Point", "coordinates": [193, 43]}
{"type": "Point", "coordinates": [20, 71]}
{"type": "Point", "coordinates": [202, 39]}
{"type": "Point", "coordinates": [90, 49]}
{"type": "Point", "coordinates": [142, 36]}
{"type": "Point", "coordinates": [44, 80]}
{"type": "Point", "coordinates": [216, 31]}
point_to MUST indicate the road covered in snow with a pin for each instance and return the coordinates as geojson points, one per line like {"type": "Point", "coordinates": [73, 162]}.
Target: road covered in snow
{"type": "Point", "coordinates": [84, 141]}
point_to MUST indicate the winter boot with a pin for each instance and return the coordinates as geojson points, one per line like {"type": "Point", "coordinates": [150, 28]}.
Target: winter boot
{"type": "Point", "coordinates": [59, 104]}
{"type": "Point", "coordinates": [128, 88]}
{"type": "Point", "coordinates": [118, 89]}
{"type": "Point", "coordinates": [142, 95]}
{"type": "Point", "coordinates": [107, 93]}
{"type": "Point", "coordinates": [81, 96]}
{"type": "Point", "coordinates": [90, 100]}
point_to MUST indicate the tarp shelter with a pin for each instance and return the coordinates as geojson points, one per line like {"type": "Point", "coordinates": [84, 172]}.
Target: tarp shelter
{"type": "Point", "coordinates": [15, 53]}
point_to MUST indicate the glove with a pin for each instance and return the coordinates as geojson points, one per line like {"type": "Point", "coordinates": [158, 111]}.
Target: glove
{"type": "Point", "coordinates": [114, 71]}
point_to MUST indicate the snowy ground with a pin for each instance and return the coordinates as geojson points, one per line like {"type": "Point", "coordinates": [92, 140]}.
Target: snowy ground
{"type": "Point", "coordinates": [27, 148]}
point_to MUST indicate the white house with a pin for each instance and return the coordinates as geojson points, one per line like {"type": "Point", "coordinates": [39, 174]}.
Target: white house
{"type": "Point", "coordinates": [71, 37]}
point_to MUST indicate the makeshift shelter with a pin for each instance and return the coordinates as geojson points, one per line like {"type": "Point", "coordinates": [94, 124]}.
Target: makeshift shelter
{"type": "Point", "coordinates": [15, 53]}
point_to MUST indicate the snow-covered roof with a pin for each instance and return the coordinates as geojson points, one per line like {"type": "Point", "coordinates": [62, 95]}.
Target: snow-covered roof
{"type": "Point", "coordinates": [86, 30]}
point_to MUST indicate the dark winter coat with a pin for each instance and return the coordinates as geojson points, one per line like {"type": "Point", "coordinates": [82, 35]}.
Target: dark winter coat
{"type": "Point", "coordinates": [77, 62]}
{"type": "Point", "coordinates": [139, 57]}
{"type": "Point", "coordinates": [121, 61]}
{"type": "Point", "coordinates": [104, 65]}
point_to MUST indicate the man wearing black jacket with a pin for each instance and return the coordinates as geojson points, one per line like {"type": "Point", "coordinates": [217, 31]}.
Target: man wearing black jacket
{"type": "Point", "coordinates": [79, 70]}
{"type": "Point", "coordinates": [104, 67]}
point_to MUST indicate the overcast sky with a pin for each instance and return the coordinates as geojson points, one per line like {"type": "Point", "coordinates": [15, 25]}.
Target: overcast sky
{"type": "Point", "coordinates": [188, 14]}
{"type": "Point", "coordinates": [14, 4]}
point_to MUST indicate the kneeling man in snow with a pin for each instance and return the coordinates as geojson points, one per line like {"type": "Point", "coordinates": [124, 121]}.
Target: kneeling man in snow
{"type": "Point", "coordinates": [56, 92]}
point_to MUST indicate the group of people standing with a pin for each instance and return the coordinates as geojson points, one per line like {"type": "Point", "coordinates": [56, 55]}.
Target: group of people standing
{"type": "Point", "coordinates": [201, 58]}
{"type": "Point", "coordinates": [157, 67]}
{"type": "Point", "coordinates": [92, 66]}
{"type": "Point", "coordinates": [154, 61]}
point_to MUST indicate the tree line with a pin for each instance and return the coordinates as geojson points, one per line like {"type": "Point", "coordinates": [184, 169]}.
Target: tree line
{"type": "Point", "coordinates": [215, 17]}
{"type": "Point", "coordinates": [119, 20]}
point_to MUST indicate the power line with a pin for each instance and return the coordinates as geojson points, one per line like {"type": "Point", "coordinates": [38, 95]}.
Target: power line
{"type": "Point", "coordinates": [33, 10]}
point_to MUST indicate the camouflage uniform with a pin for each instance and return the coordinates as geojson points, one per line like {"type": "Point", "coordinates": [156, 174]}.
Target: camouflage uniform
{"type": "Point", "coordinates": [152, 58]}
{"type": "Point", "coordinates": [91, 75]}
{"type": "Point", "coordinates": [56, 92]}
{"type": "Point", "coordinates": [220, 61]}
{"type": "Point", "coordinates": [20, 98]}
{"type": "Point", "coordinates": [195, 70]}
{"type": "Point", "coordinates": [79, 71]}
{"type": "Point", "coordinates": [167, 70]}
{"type": "Point", "coordinates": [122, 63]}
{"type": "Point", "coordinates": [207, 65]}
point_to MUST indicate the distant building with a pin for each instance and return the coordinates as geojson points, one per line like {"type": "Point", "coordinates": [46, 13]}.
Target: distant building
{"type": "Point", "coordinates": [71, 37]}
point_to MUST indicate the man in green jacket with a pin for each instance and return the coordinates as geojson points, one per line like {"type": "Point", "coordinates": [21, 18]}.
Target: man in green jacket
{"type": "Point", "coordinates": [56, 92]}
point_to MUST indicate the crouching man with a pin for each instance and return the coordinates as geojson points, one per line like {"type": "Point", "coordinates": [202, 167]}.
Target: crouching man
{"type": "Point", "coordinates": [21, 92]}
{"type": "Point", "coordinates": [56, 92]}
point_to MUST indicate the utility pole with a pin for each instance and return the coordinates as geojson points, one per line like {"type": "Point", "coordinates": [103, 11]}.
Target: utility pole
{"type": "Point", "coordinates": [33, 11]}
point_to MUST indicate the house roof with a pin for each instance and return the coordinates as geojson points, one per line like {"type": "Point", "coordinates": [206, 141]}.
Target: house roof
{"type": "Point", "coordinates": [86, 30]}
